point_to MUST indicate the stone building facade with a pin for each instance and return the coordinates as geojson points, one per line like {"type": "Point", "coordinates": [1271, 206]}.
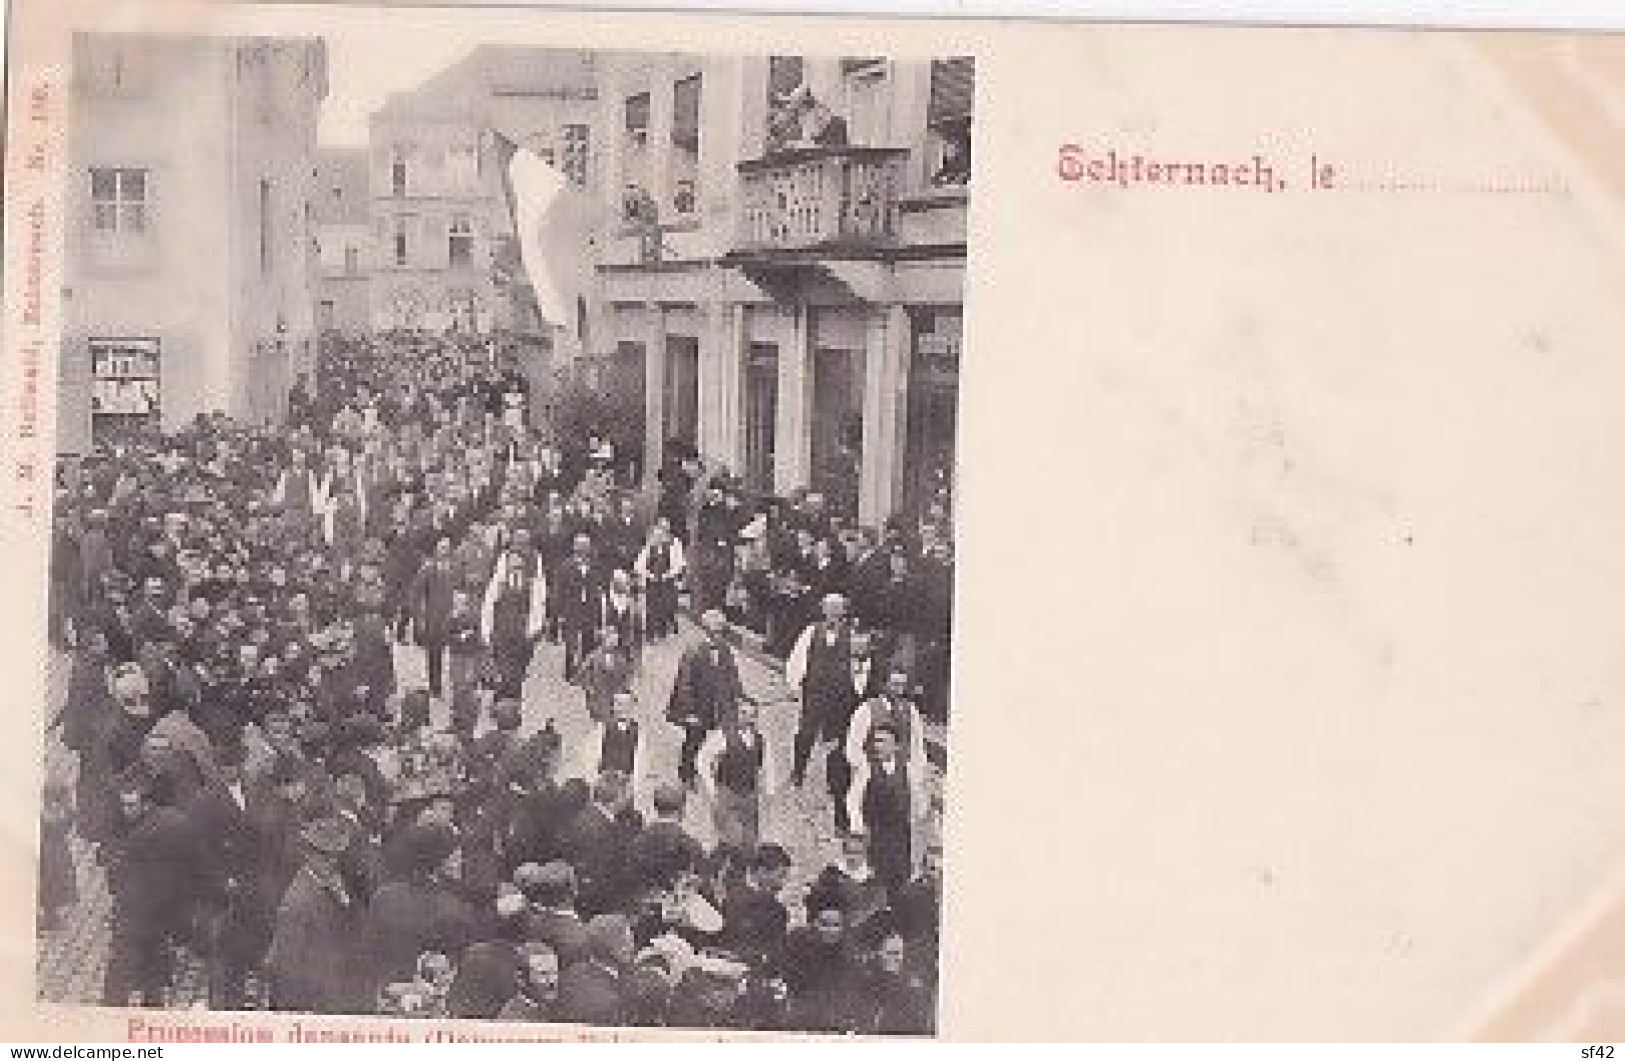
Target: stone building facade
{"type": "Point", "coordinates": [190, 260]}
{"type": "Point", "coordinates": [791, 309]}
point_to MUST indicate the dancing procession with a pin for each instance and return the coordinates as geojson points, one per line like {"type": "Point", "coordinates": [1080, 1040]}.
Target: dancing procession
{"type": "Point", "coordinates": [417, 704]}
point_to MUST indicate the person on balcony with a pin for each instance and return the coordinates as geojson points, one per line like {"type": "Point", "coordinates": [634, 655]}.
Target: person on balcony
{"type": "Point", "coordinates": [801, 120]}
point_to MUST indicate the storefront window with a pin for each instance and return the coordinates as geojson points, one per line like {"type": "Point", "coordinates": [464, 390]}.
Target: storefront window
{"type": "Point", "coordinates": [124, 388]}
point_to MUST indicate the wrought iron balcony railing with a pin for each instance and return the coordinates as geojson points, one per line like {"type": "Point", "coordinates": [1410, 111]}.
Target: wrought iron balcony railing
{"type": "Point", "coordinates": [820, 197]}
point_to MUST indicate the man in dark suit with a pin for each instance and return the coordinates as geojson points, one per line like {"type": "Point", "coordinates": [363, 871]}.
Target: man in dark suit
{"type": "Point", "coordinates": [153, 904]}
{"type": "Point", "coordinates": [706, 693]}
{"type": "Point", "coordinates": [232, 863]}
{"type": "Point", "coordinates": [316, 963]}
{"type": "Point", "coordinates": [431, 607]}
{"type": "Point", "coordinates": [577, 596]}
{"type": "Point", "coordinates": [595, 841]}
{"type": "Point", "coordinates": [423, 911]}
{"type": "Point", "coordinates": [821, 967]}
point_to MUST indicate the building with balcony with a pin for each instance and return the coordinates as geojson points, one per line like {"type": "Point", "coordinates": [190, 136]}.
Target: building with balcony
{"type": "Point", "coordinates": [440, 224]}
{"type": "Point", "coordinates": [189, 252]}
{"type": "Point", "coordinates": [785, 287]}
{"type": "Point", "coordinates": [344, 241]}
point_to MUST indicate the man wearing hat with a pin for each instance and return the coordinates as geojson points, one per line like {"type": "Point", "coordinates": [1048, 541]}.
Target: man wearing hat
{"type": "Point", "coordinates": [707, 691]}
{"type": "Point", "coordinates": [314, 958]}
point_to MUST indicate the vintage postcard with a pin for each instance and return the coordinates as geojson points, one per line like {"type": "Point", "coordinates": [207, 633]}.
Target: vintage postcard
{"type": "Point", "coordinates": [531, 525]}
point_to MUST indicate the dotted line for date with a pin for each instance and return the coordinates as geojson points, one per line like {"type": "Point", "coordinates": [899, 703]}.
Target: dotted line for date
{"type": "Point", "coordinates": [1454, 187]}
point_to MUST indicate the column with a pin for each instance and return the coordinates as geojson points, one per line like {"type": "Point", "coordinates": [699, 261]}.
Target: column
{"type": "Point", "coordinates": [654, 389]}
{"type": "Point", "coordinates": [792, 429]}
{"type": "Point", "coordinates": [736, 345]}
{"type": "Point", "coordinates": [721, 353]}
{"type": "Point", "coordinates": [910, 95]}
{"type": "Point", "coordinates": [885, 412]}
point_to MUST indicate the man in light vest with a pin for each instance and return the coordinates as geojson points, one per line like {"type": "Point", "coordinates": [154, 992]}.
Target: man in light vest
{"type": "Point", "coordinates": [818, 668]}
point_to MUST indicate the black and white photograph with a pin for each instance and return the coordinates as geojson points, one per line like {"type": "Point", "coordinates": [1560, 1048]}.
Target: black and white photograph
{"type": "Point", "coordinates": [503, 549]}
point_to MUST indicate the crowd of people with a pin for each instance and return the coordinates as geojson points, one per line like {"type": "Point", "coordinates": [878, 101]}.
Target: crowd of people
{"type": "Point", "coordinates": [272, 795]}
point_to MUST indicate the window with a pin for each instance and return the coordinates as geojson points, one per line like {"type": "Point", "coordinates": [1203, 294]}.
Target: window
{"type": "Point", "coordinates": [254, 70]}
{"type": "Point", "coordinates": [352, 261]}
{"type": "Point", "coordinates": [462, 166]}
{"type": "Point", "coordinates": [948, 122]}
{"type": "Point", "coordinates": [400, 238]}
{"type": "Point", "coordinates": [867, 103]}
{"type": "Point", "coordinates": [124, 386]}
{"type": "Point", "coordinates": [109, 71]}
{"type": "Point", "coordinates": [265, 226]}
{"type": "Point", "coordinates": [460, 240]}
{"type": "Point", "coordinates": [397, 173]}
{"type": "Point", "coordinates": [577, 148]}
{"type": "Point", "coordinates": [637, 115]}
{"type": "Point", "coordinates": [784, 74]}
{"type": "Point", "coordinates": [118, 200]}
{"type": "Point", "coordinates": [684, 167]}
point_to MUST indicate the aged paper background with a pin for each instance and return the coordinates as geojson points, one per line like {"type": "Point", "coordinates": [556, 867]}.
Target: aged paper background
{"type": "Point", "coordinates": [1289, 682]}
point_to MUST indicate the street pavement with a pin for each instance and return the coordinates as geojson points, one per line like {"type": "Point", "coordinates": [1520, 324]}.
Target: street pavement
{"type": "Point", "coordinates": [71, 959]}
